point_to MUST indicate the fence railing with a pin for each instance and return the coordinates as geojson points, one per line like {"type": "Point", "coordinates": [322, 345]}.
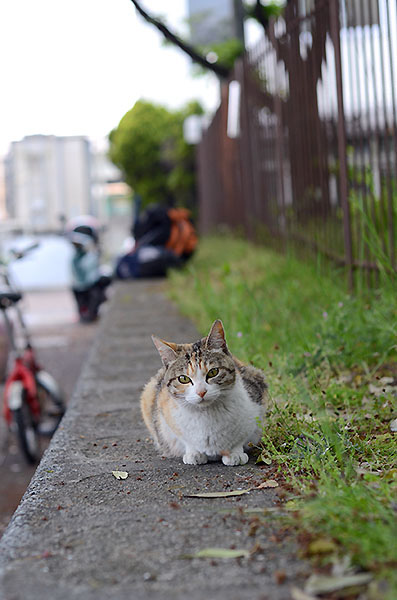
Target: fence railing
{"type": "Point", "coordinates": [315, 158]}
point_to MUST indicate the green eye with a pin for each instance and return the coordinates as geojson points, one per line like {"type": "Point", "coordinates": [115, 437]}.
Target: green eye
{"type": "Point", "coordinates": [212, 372]}
{"type": "Point", "coordinates": [184, 379]}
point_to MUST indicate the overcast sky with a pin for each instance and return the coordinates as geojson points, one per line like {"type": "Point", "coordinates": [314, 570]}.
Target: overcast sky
{"type": "Point", "coordinates": [75, 67]}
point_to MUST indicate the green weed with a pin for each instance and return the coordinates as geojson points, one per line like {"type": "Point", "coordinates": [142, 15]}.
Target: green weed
{"type": "Point", "coordinates": [331, 363]}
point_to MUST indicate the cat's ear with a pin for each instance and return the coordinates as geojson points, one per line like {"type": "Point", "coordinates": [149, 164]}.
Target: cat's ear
{"type": "Point", "coordinates": [216, 337]}
{"type": "Point", "coordinates": [167, 350]}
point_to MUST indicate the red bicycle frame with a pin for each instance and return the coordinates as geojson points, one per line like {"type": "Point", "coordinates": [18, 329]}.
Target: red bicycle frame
{"type": "Point", "coordinates": [24, 369]}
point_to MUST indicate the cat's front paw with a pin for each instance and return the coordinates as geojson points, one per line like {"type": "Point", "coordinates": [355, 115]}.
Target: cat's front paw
{"type": "Point", "coordinates": [195, 458]}
{"type": "Point", "coordinates": [235, 458]}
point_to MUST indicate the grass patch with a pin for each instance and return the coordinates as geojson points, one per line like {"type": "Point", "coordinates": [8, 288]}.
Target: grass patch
{"type": "Point", "coordinates": [331, 363]}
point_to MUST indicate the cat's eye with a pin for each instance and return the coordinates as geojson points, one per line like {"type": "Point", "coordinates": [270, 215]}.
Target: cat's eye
{"type": "Point", "coordinates": [212, 373]}
{"type": "Point", "coordinates": [184, 379]}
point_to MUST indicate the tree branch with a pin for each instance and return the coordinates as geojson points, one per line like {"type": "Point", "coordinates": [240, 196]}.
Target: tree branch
{"type": "Point", "coordinates": [260, 14]}
{"type": "Point", "coordinates": [218, 69]}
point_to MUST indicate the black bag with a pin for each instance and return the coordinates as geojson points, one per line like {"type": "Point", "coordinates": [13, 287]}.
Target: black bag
{"type": "Point", "coordinates": [153, 226]}
{"type": "Point", "coordinates": [147, 261]}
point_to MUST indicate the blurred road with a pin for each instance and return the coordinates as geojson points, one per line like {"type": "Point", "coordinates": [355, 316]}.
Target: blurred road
{"type": "Point", "coordinates": [62, 345]}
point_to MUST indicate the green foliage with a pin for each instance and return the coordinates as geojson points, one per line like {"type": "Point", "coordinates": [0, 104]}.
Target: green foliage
{"type": "Point", "coordinates": [267, 11]}
{"type": "Point", "coordinates": [329, 360]}
{"type": "Point", "coordinates": [354, 515]}
{"type": "Point", "coordinates": [149, 148]}
{"type": "Point", "coordinates": [225, 53]}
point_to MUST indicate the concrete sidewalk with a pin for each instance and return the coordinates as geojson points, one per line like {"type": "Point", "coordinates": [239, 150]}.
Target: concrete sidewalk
{"type": "Point", "coordinates": [80, 533]}
{"type": "Point", "coordinates": [62, 345]}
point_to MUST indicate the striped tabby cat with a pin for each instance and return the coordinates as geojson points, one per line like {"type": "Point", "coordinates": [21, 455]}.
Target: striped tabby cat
{"type": "Point", "coordinates": [203, 403]}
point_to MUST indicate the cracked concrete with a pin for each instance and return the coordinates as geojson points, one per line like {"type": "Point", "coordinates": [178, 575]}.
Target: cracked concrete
{"type": "Point", "coordinates": [80, 533]}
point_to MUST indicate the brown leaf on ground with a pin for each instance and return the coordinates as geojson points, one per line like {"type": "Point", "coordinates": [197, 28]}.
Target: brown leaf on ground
{"type": "Point", "coordinates": [323, 584]}
{"type": "Point", "coordinates": [218, 494]}
{"type": "Point", "coordinates": [280, 577]}
{"type": "Point", "coordinates": [321, 546]}
{"type": "Point", "coordinates": [120, 474]}
{"type": "Point", "coordinates": [269, 483]}
{"type": "Point", "coordinates": [297, 594]}
{"type": "Point", "coordinates": [221, 553]}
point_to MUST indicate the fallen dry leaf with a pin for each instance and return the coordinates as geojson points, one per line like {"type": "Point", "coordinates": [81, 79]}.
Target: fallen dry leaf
{"type": "Point", "coordinates": [322, 546]}
{"type": "Point", "coordinates": [322, 584]}
{"type": "Point", "coordinates": [280, 576]}
{"type": "Point", "coordinates": [297, 594]}
{"type": "Point", "coordinates": [269, 483]}
{"type": "Point", "coordinates": [385, 388]}
{"type": "Point", "coordinates": [120, 474]}
{"type": "Point", "coordinates": [221, 553]}
{"type": "Point", "coordinates": [217, 494]}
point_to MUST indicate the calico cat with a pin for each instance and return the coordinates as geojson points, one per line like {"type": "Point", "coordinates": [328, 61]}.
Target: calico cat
{"type": "Point", "coordinates": [203, 403]}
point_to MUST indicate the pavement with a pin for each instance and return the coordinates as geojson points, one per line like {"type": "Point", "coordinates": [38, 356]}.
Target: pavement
{"type": "Point", "coordinates": [81, 533]}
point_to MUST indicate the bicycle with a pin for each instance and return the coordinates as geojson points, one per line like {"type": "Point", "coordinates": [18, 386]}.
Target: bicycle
{"type": "Point", "coordinates": [33, 404]}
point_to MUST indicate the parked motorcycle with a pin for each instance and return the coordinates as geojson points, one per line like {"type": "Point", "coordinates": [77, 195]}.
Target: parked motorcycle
{"type": "Point", "coordinates": [89, 281]}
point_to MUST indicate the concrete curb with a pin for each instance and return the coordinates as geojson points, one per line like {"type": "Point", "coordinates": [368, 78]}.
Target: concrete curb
{"type": "Point", "coordinates": [80, 533]}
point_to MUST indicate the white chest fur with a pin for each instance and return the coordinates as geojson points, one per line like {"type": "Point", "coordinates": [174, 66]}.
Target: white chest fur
{"type": "Point", "coordinates": [230, 421]}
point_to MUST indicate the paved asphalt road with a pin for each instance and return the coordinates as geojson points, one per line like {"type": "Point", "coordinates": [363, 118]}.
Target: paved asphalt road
{"type": "Point", "coordinates": [62, 345]}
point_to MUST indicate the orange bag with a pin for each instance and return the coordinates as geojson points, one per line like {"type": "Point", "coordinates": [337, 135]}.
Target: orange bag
{"type": "Point", "coordinates": [183, 237]}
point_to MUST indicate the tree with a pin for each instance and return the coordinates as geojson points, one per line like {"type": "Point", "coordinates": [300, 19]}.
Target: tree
{"type": "Point", "coordinates": [226, 52]}
{"type": "Point", "coordinates": [149, 148]}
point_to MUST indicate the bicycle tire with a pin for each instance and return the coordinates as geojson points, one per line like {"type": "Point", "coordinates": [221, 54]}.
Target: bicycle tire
{"type": "Point", "coordinates": [4, 440]}
{"type": "Point", "coordinates": [49, 384]}
{"type": "Point", "coordinates": [52, 408]}
{"type": "Point", "coordinates": [26, 431]}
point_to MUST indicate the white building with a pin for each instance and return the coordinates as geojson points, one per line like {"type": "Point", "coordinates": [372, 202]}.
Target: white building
{"type": "Point", "coordinates": [48, 180]}
{"type": "Point", "coordinates": [215, 21]}
{"type": "Point", "coordinates": [110, 195]}
{"type": "Point", "coordinates": [3, 210]}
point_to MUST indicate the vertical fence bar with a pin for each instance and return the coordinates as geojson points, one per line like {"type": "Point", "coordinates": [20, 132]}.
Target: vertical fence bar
{"type": "Point", "coordinates": [369, 93]}
{"type": "Point", "coordinates": [270, 177]}
{"type": "Point", "coordinates": [391, 215]}
{"type": "Point", "coordinates": [363, 133]}
{"type": "Point", "coordinates": [246, 149]}
{"type": "Point", "coordinates": [343, 174]}
{"type": "Point", "coordinates": [279, 142]}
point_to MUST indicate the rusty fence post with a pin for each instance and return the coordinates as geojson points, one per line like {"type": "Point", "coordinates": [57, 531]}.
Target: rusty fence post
{"type": "Point", "coordinates": [245, 158]}
{"type": "Point", "coordinates": [343, 172]}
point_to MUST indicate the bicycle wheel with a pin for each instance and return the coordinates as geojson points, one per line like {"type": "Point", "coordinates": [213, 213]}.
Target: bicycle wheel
{"type": "Point", "coordinates": [25, 424]}
{"type": "Point", "coordinates": [4, 441]}
{"type": "Point", "coordinates": [51, 403]}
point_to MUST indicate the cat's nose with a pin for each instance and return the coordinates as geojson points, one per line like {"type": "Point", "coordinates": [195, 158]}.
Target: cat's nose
{"type": "Point", "coordinates": [202, 393]}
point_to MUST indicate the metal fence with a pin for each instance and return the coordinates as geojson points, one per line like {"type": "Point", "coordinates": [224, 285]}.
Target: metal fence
{"type": "Point", "coordinates": [314, 157]}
